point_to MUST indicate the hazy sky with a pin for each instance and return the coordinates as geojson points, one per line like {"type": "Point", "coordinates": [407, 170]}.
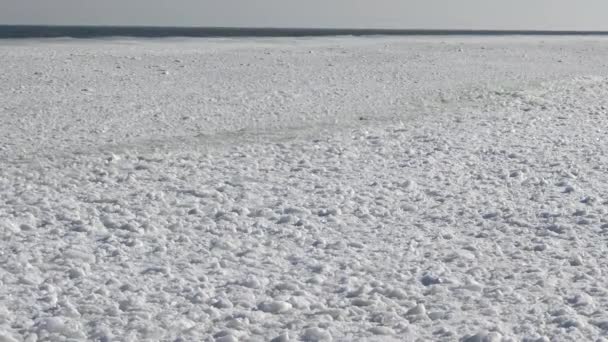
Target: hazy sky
{"type": "Point", "coordinates": [457, 14]}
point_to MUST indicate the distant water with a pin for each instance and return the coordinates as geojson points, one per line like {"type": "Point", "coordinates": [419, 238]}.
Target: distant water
{"type": "Point", "coordinates": [22, 31]}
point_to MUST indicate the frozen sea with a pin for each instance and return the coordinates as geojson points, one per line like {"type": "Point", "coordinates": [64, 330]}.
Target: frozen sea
{"type": "Point", "coordinates": [304, 189]}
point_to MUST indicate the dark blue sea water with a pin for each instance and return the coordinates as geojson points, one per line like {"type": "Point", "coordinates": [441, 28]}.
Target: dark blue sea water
{"type": "Point", "coordinates": [29, 31]}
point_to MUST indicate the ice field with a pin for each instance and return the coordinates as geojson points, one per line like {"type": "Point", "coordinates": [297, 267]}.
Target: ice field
{"type": "Point", "coordinates": [310, 189]}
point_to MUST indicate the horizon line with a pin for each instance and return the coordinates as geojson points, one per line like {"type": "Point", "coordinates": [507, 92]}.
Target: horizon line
{"type": "Point", "coordinates": [93, 31]}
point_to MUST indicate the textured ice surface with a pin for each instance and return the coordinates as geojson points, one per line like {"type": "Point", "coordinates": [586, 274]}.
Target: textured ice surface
{"type": "Point", "coordinates": [304, 190]}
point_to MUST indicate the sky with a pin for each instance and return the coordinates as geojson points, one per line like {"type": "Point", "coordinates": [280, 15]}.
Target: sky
{"type": "Point", "coordinates": [406, 14]}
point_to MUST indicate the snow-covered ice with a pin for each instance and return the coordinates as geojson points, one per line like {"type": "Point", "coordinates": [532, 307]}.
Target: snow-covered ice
{"type": "Point", "coordinates": [314, 189]}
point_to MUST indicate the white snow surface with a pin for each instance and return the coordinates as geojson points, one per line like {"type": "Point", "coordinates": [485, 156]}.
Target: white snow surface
{"type": "Point", "coordinates": [314, 189]}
